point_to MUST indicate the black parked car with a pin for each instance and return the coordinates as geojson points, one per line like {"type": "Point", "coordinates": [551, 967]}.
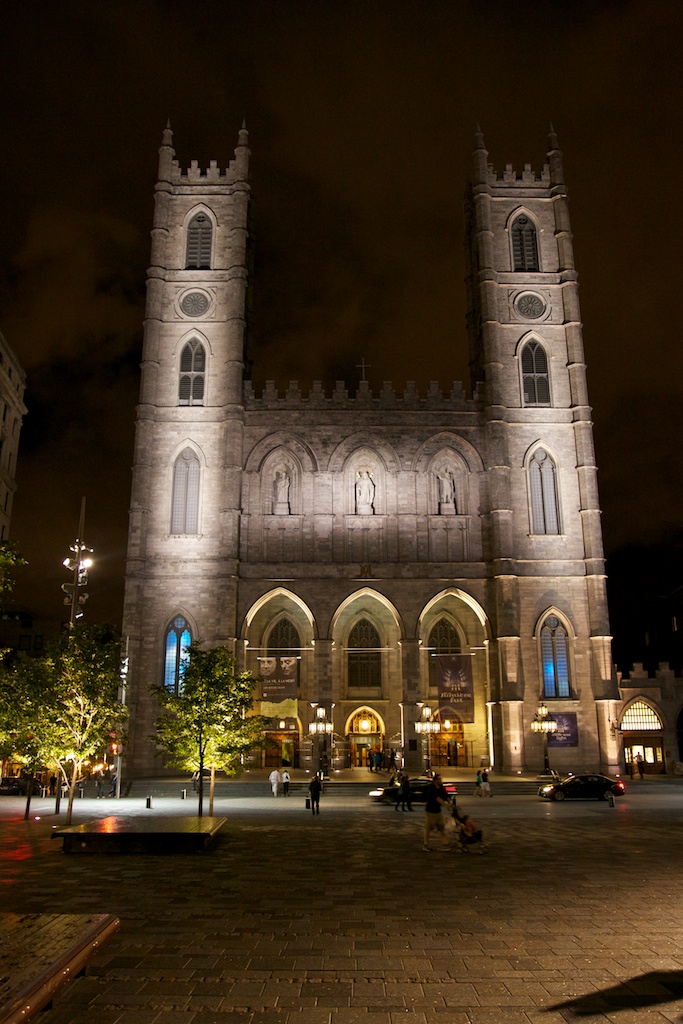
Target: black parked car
{"type": "Point", "coordinates": [389, 794]}
{"type": "Point", "coordinates": [583, 787]}
{"type": "Point", "coordinates": [15, 785]}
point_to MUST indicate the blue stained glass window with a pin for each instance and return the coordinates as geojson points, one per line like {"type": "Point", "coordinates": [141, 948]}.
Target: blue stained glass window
{"type": "Point", "coordinates": [177, 656]}
{"type": "Point", "coordinates": [555, 658]}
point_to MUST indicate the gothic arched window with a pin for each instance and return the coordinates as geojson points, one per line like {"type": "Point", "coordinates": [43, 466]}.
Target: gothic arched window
{"type": "Point", "coordinates": [185, 503]}
{"type": "Point", "coordinates": [535, 379]}
{"type": "Point", "coordinates": [545, 516]}
{"type": "Point", "coordinates": [443, 639]}
{"type": "Point", "coordinates": [364, 655]}
{"type": "Point", "coordinates": [176, 654]}
{"type": "Point", "coordinates": [192, 374]}
{"type": "Point", "coordinates": [199, 233]}
{"type": "Point", "coordinates": [554, 658]}
{"type": "Point", "coordinates": [283, 638]}
{"type": "Point", "coordinates": [524, 244]}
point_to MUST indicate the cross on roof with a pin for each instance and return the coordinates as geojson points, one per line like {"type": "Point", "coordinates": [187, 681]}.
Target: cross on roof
{"type": "Point", "coordinates": [362, 366]}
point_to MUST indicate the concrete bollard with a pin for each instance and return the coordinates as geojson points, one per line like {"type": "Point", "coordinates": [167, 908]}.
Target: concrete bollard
{"type": "Point", "coordinates": [183, 794]}
{"type": "Point", "coordinates": [610, 798]}
{"type": "Point", "coordinates": [148, 802]}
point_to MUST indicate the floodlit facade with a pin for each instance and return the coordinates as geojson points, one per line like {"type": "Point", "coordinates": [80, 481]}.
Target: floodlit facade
{"type": "Point", "coordinates": [12, 412]}
{"type": "Point", "coordinates": [408, 574]}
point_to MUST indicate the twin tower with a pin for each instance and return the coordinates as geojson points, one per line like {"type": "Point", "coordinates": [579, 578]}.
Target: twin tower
{"type": "Point", "coordinates": [403, 573]}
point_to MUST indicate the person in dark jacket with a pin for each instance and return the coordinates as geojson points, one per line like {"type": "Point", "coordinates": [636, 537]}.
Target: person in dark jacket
{"type": "Point", "coordinates": [315, 789]}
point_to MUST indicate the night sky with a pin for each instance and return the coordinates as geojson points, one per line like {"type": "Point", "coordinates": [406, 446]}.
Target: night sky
{"type": "Point", "coordinates": [361, 118]}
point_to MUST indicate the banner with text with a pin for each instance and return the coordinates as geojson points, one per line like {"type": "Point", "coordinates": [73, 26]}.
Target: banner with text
{"type": "Point", "coordinates": [279, 677]}
{"type": "Point", "coordinates": [456, 686]}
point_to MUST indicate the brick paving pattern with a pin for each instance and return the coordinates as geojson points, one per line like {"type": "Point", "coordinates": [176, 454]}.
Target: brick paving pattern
{"type": "Point", "coordinates": [575, 914]}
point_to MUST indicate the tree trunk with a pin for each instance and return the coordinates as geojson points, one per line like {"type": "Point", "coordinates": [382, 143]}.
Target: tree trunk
{"type": "Point", "coordinates": [29, 794]}
{"type": "Point", "coordinates": [212, 789]}
{"type": "Point", "coordinates": [72, 793]}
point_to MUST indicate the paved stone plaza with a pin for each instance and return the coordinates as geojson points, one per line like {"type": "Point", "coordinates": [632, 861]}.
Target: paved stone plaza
{"type": "Point", "coordinates": [575, 914]}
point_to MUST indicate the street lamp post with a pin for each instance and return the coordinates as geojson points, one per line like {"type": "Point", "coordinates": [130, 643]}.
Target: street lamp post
{"type": "Point", "coordinates": [320, 726]}
{"type": "Point", "coordinates": [427, 726]}
{"type": "Point", "coordinates": [78, 564]}
{"type": "Point", "coordinates": [544, 724]}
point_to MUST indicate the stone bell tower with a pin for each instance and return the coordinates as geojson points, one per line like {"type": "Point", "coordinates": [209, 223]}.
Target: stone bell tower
{"type": "Point", "coordinates": [186, 488]}
{"type": "Point", "coordinates": [542, 524]}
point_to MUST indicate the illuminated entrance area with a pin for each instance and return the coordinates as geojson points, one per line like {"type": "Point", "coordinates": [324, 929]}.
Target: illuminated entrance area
{"type": "Point", "coordinates": [643, 748]}
{"type": "Point", "coordinates": [282, 745]}
{"type": "Point", "coordinates": [448, 745]}
{"type": "Point", "coordinates": [365, 736]}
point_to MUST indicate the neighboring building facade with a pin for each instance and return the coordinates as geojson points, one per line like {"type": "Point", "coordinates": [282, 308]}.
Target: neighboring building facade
{"type": "Point", "coordinates": [12, 412]}
{"type": "Point", "coordinates": [405, 572]}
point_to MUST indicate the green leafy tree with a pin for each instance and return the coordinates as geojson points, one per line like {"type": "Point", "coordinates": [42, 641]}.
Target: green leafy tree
{"type": "Point", "coordinates": [10, 560]}
{"type": "Point", "coordinates": [20, 710]}
{"type": "Point", "coordinates": [207, 725]}
{"type": "Point", "coordinates": [69, 701]}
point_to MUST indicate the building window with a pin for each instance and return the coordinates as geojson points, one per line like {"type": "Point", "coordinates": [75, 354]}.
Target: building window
{"type": "Point", "coordinates": [524, 244]}
{"type": "Point", "coordinates": [364, 656]}
{"type": "Point", "coordinates": [177, 654]}
{"type": "Point", "coordinates": [554, 657]}
{"type": "Point", "coordinates": [283, 638]}
{"type": "Point", "coordinates": [443, 639]}
{"type": "Point", "coordinates": [640, 716]}
{"type": "Point", "coordinates": [199, 234]}
{"type": "Point", "coordinates": [192, 374]}
{"type": "Point", "coordinates": [535, 381]}
{"type": "Point", "coordinates": [185, 505]}
{"type": "Point", "coordinates": [543, 490]}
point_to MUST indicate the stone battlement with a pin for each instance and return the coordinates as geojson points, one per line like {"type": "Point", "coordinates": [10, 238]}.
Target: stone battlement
{"type": "Point", "coordinates": [524, 178]}
{"type": "Point", "coordinates": [364, 397]}
{"type": "Point", "coordinates": [195, 175]}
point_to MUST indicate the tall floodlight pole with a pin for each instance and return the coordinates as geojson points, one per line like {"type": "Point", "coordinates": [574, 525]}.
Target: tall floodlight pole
{"type": "Point", "coordinates": [78, 564]}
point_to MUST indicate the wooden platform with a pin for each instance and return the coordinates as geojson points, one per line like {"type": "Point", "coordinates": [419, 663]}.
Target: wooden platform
{"type": "Point", "coordinates": [39, 953]}
{"type": "Point", "coordinates": [139, 834]}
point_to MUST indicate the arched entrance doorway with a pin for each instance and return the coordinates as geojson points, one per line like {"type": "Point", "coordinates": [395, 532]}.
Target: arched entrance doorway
{"type": "Point", "coordinates": [641, 729]}
{"type": "Point", "coordinates": [365, 737]}
{"type": "Point", "coordinates": [448, 745]}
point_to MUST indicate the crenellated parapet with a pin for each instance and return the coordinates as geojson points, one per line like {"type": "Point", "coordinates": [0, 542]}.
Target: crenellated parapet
{"type": "Point", "coordinates": [341, 397]}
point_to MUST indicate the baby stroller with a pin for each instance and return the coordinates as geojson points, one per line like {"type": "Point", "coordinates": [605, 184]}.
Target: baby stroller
{"type": "Point", "coordinates": [469, 838]}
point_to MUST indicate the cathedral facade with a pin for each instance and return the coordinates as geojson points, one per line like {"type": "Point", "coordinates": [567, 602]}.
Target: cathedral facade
{"type": "Point", "coordinates": [409, 575]}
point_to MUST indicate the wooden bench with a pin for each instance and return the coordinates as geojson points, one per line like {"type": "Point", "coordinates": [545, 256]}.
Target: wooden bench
{"type": "Point", "coordinates": [116, 834]}
{"type": "Point", "coordinates": [39, 953]}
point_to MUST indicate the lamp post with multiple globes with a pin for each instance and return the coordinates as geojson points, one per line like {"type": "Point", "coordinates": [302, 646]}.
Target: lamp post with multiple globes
{"type": "Point", "coordinates": [544, 724]}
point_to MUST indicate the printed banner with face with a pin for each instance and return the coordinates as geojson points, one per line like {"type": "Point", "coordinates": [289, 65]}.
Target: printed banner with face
{"type": "Point", "coordinates": [567, 732]}
{"type": "Point", "coordinates": [456, 686]}
{"type": "Point", "coordinates": [279, 678]}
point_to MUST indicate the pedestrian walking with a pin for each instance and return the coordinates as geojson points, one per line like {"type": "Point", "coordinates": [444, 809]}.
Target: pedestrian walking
{"type": "Point", "coordinates": [315, 789]}
{"type": "Point", "coordinates": [274, 779]}
{"type": "Point", "coordinates": [436, 798]}
{"type": "Point", "coordinates": [485, 784]}
{"type": "Point", "coordinates": [477, 785]}
{"type": "Point", "coordinates": [112, 788]}
{"type": "Point", "coordinates": [641, 765]}
{"type": "Point", "coordinates": [285, 782]}
{"type": "Point", "coordinates": [98, 784]}
{"type": "Point", "coordinates": [403, 797]}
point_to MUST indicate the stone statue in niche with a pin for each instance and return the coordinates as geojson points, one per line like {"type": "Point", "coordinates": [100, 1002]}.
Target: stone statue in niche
{"type": "Point", "coordinates": [365, 493]}
{"type": "Point", "coordinates": [281, 493]}
{"type": "Point", "coordinates": [446, 492]}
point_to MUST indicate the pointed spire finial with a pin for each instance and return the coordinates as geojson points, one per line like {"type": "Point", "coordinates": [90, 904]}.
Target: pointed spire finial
{"type": "Point", "coordinates": [552, 138]}
{"type": "Point", "coordinates": [167, 137]}
{"type": "Point", "coordinates": [479, 137]}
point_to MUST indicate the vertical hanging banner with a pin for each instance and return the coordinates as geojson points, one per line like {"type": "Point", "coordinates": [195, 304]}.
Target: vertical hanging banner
{"type": "Point", "coordinates": [455, 683]}
{"type": "Point", "coordinates": [279, 686]}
